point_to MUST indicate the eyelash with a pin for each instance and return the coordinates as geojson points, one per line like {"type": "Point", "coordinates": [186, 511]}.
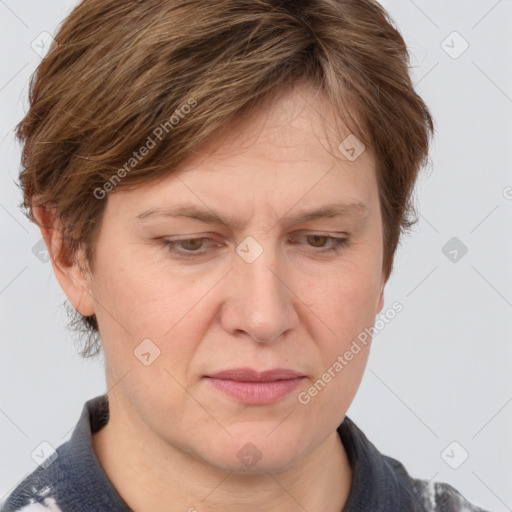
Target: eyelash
{"type": "Point", "coordinates": [171, 245]}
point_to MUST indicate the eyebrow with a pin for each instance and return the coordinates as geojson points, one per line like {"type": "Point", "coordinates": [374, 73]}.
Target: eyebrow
{"type": "Point", "coordinates": [209, 216]}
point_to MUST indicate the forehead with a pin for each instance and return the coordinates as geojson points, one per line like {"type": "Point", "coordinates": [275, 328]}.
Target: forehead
{"type": "Point", "coordinates": [290, 119]}
{"type": "Point", "coordinates": [285, 156]}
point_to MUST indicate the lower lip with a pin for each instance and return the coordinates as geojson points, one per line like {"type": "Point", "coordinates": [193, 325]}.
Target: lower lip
{"type": "Point", "coordinates": [256, 393]}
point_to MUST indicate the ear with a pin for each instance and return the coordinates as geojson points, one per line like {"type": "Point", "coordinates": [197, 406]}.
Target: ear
{"type": "Point", "coordinates": [74, 279]}
{"type": "Point", "coordinates": [380, 303]}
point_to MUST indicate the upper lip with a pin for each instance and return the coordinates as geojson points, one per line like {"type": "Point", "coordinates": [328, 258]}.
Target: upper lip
{"type": "Point", "coordinates": [250, 375]}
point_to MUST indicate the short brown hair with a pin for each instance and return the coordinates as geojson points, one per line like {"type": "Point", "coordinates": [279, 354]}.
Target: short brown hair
{"type": "Point", "coordinates": [121, 70]}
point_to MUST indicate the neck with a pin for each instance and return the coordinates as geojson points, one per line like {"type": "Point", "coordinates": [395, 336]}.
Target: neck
{"type": "Point", "coordinates": [169, 478]}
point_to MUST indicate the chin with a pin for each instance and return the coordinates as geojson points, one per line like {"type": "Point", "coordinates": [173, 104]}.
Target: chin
{"type": "Point", "coordinates": [259, 466]}
{"type": "Point", "coordinates": [254, 454]}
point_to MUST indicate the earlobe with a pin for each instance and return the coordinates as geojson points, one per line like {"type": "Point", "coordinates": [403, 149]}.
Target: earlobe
{"type": "Point", "coordinates": [74, 280]}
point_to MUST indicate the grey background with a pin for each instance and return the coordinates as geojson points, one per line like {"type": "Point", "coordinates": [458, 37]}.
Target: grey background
{"type": "Point", "coordinates": [439, 372]}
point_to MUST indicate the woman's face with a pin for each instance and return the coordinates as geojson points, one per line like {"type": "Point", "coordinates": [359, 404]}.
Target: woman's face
{"type": "Point", "coordinates": [266, 290]}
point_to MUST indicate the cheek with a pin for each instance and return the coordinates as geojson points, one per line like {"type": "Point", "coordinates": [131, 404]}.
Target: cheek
{"type": "Point", "coordinates": [344, 302]}
{"type": "Point", "coordinates": [340, 313]}
{"type": "Point", "coordinates": [133, 306]}
{"type": "Point", "coordinates": [143, 302]}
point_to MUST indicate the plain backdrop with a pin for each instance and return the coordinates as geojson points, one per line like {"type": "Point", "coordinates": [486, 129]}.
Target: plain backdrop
{"type": "Point", "coordinates": [438, 385]}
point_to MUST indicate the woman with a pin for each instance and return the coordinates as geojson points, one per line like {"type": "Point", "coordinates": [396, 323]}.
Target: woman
{"type": "Point", "coordinates": [221, 187]}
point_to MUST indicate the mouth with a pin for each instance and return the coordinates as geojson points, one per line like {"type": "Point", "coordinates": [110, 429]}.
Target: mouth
{"type": "Point", "coordinates": [257, 388]}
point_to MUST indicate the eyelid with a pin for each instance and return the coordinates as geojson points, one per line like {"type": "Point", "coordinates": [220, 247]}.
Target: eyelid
{"type": "Point", "coordinates": [337, 243]}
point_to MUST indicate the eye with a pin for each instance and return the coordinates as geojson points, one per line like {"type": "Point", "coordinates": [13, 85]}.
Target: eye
{"type": "Point", "coordinates": [194, 247]}
{"type": "Point", "coordinates": [189, 246]}
{"type": "Point", "coordinates": [318, 241]}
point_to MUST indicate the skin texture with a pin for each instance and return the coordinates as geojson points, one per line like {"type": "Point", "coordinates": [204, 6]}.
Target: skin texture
{"type": "Point", "coordinates": [172, 439]}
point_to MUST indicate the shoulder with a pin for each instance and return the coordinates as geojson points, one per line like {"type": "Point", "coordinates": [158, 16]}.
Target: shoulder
{"type": "Point", "coordinates": [39, 490]}
{"type": "Point", "coordinates": [441, 497]}
{"type": "Point", "coordinates": [31, 496]}
{"type": "Point", "coordinates": [381, 482]}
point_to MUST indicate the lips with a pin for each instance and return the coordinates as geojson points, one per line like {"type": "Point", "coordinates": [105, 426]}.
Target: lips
{"type": "Point", "coordinates": [250, 375]}
{"type": "Point", "coordinates": [256, 388]}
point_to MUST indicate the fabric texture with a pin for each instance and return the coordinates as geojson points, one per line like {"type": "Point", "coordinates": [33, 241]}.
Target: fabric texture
{"type": "Point", "coordinates": [74, 481]}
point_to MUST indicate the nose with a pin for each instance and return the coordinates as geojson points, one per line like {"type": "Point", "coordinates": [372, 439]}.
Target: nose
{"type": "Point", "coordinates": [259, 301]}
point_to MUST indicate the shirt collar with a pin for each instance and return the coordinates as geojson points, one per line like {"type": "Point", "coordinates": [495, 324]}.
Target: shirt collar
{"type": "Point", "coordinates": [379, 483]}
